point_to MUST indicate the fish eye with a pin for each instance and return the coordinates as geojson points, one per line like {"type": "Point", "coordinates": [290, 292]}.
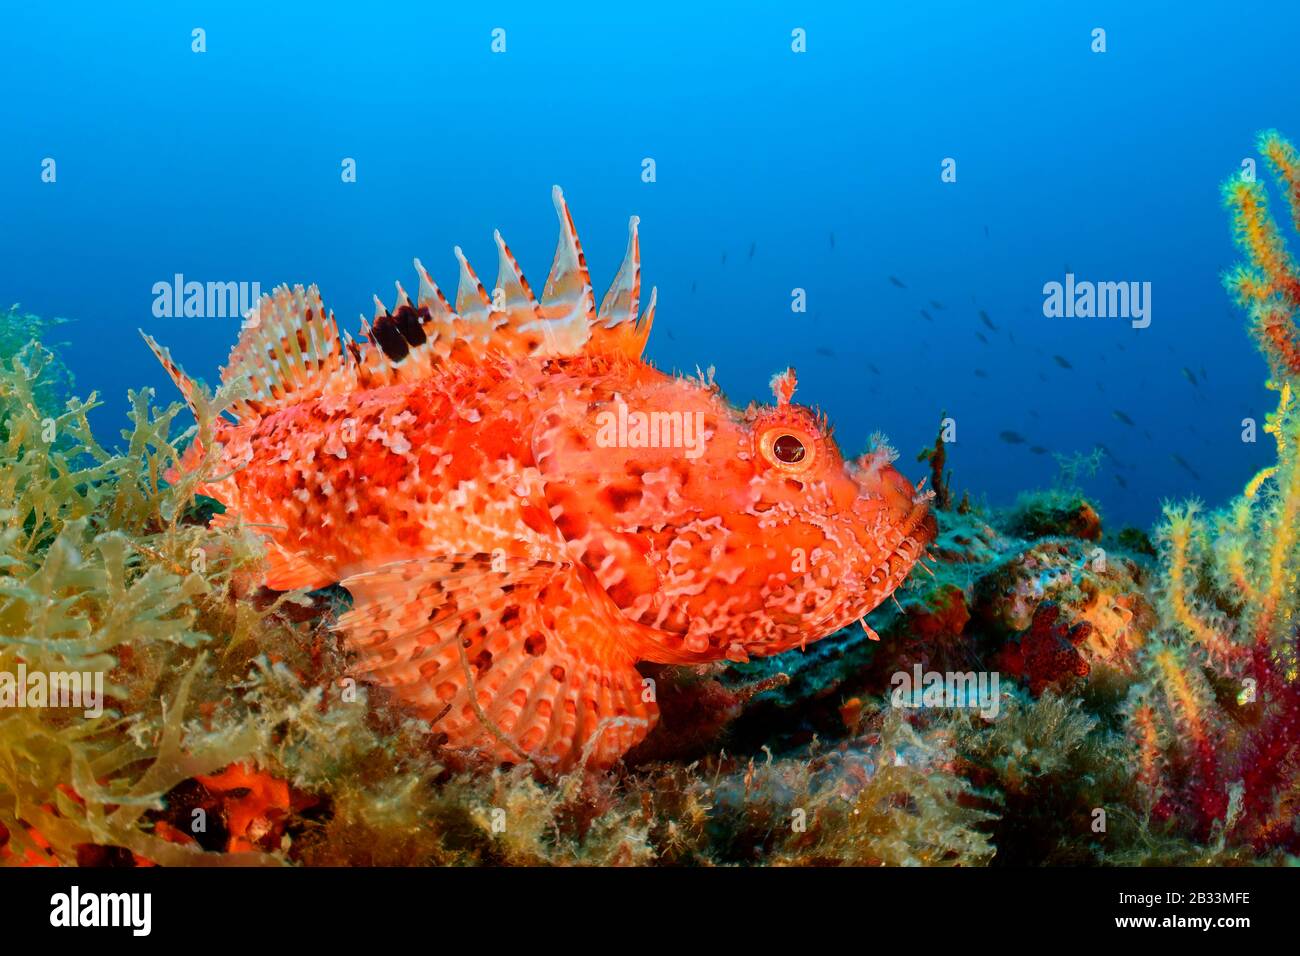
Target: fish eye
{"type": "Point", "coordinates": [788, 449]}
{"type": "Point", "coordinates": [788, 446]}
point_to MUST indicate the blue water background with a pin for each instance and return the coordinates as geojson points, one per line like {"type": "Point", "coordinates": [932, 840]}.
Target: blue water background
{"type": "Point", "coordinates": [226, 166]}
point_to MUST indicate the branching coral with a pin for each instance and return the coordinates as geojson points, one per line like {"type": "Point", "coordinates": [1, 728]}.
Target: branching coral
{"type": "Point", "coordinates": [231, 731]}
{"type": "Point", "coordinates": [1216, 722]}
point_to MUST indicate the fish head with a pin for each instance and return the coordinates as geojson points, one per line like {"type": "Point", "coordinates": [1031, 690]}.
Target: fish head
{"type": "Point", "coordinates": [840, 534]}
{"type": "Point", "coordinates": [731, 532]}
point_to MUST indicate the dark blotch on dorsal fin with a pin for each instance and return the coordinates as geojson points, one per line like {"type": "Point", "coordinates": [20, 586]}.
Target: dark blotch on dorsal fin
{"type": "Point", "coordinates": [410, 322]}
{"type": "Point", "coordinates": [388, 337]}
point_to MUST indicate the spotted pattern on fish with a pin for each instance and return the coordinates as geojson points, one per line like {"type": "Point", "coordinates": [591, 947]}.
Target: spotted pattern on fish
{"type": "Point", "coordinates": [523, 508]}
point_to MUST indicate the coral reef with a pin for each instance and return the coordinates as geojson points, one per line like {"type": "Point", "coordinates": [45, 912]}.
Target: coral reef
{"type": "Point", "coordinates": [1147, 710]}
{"type": "Point", "coordinates": [231, 732]}
{"type": "Point", "coordinates": [1048, 653]}
{"type": "Point", "coordinates": [1216, 720]}
{"type": "Point", "coordinates": [1049, 513]}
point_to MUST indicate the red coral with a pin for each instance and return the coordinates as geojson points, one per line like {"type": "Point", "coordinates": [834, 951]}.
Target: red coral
{"type": "Point", "coordinates": [1048, 652]}
{"type": "Point", "coordinates": [1268, 761]}
{"type": "Point", "coordinates": [255, 805]}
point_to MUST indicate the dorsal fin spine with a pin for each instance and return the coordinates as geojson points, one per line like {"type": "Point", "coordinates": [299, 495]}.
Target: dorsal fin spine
{"type": "Point", "coordinates": [472, 300]}
{"type": "Point", "coordinates": [291, 348]}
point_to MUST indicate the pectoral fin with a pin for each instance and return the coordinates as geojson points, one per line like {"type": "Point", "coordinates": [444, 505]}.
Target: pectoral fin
{"type": "Point", "coordinates": [512, 657]}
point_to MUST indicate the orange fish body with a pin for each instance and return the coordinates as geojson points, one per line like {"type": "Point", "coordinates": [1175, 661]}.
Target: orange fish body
{"type": "Point", "coordinates": [522, 508]}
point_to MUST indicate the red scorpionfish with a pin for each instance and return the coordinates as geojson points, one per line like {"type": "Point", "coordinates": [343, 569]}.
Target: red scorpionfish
{"type": "Point", "coordinates": [522, 508]}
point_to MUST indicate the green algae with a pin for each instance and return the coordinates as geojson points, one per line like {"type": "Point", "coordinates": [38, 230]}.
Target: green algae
{"type": "Point", "coordinates": [107, 566]}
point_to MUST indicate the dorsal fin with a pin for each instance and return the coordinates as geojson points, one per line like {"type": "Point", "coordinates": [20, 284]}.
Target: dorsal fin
{"type": "Point", "coordinates": [618, 329]}
{"type": "Point", "coordinates": [431, 298]}
{"type": "Point", "coordinates": [568, 287]}
{"type": "Point", "coordinates": [290, 350]}
{"type": "Point", "coordinates": [472, 300]}
{"type": "Point", "coordinates": [177, 374]}
{"type": "Point", "coordinates": [624, 295]}
{"type": "Point", "coordinates": [517, 295]}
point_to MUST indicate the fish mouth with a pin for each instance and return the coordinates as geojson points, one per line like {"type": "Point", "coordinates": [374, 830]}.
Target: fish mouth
{"type": "Point", "coordinates": [856, 595]}
{"type": "Point", "coordinates": [886, 531]}
{"type": "Point", "coordinates": [921, 518]}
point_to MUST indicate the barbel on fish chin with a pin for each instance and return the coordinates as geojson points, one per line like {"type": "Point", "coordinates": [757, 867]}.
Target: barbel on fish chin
{"type": "Point", "coordinates": [512, 554]}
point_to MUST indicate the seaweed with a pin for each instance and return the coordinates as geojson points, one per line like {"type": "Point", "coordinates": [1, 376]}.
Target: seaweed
{"type": "Point", "coordinates": [232, 734]}
{"type": "Point", "coordinates": [1148, 714]}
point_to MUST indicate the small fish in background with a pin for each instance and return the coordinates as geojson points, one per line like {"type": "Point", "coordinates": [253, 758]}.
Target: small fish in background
{"type": "Point", "coordinates": [1011, 337]}
{"type": "Point", "coordinates": [927, 316]}
{"type": "Point", "coordinates": [1012, 438]}
{"type": "Point", "coordinates": [1204, 377]}
{"type": "Point", "coordinates": [1033, 413]}
{"type": "Point", "coordinates": [1121, 417]}
{"type": "Point", "coordinates": [980, 373]}
{"type": "Point", "coordinates": [1061, 361]}
{"type": "Point", "coordinates": [826, 352]}
{"type": "Point", "coordinates": [897, 281]}
{"type": "Point", "coordinates": [980, 335]}
{"type": "Point", "coordinates": [937, 305]}
{"type": "Point", "coordinates": [1037, 450]}
{"type": "Point", "coordinates": [724, 258]}
{"type": "Point", "coordinates": [873, 369]}
{"type": "Point", "coordinates": [1178, 460]}
{"type": "Point", "coordinates": [1111, 455]}
{"type": "Point", "coordinates": [984, 317]}
{"type": "Point", "coordinates": [693, 285]}
{"type": "Point", "coordinates": [1042, 376]}
{"type": "Point", "coordinates": [1190, 376]}
{"type": "Point", "coordinates": [1147, 433]}
{"type": "Point", "coordinates": [1119, 479]}
{"type": "Point", "coordinates": [752, 246]}
{"type": "Point", "coordinates": [669, 333]}
{"type": "Point", "coordinates": [832, 242]}
{"type": "Point", "coordinates": [986, 231]}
